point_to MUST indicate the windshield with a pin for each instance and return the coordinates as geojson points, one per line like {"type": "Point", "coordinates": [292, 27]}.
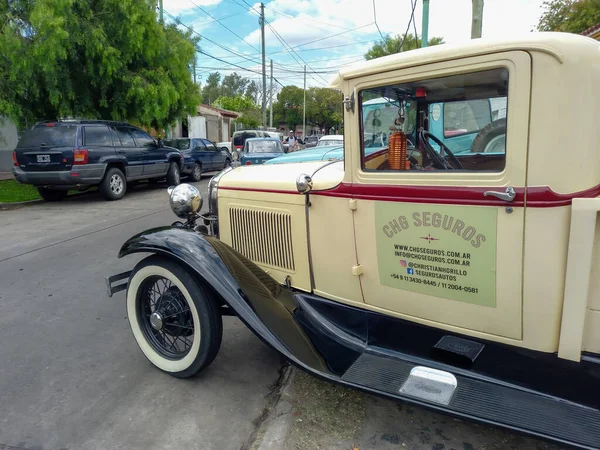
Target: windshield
{"type": "Point", "coordinates": [49, 136]}
{"type": "Point", "coordinates": [328, 142]}
{"type": "Point", "coordinates": [180, 144]}
{"type": "Point", "coordinates": [264, 147]}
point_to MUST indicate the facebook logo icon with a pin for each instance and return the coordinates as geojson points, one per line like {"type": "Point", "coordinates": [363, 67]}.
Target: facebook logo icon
{"type": "Point", "coordinates": [410, 271]}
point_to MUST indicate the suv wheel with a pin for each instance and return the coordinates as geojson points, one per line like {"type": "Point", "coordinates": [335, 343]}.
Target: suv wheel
{"type": "Point", "coordinates": [173, 175]}
{"type": "Point", "coordinates": [52, 196]}
{"type": "Point", "coordinates": [114, 185]}
{"type": "Point", "coordinates": [196, 172]}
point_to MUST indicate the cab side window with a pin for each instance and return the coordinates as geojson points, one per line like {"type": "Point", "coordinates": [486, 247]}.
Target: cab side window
{"type": "Point", "coordinates": [456, 122]}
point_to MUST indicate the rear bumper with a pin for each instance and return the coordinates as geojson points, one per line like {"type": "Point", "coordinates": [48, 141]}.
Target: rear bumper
{"type": "Point", "coordinates": [80, 175]}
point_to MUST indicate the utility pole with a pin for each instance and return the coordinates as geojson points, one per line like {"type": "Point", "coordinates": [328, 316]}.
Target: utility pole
{"type": "Point", "coordinates": [160, 11]}
{"type": "Point", "coordinates": [304, 112]}
{"type": "Point", "coordinates": [264, 70]}
{"type": "Point", "coordinates": [425, 24]}
{"type": "Point", "coordinates": [476, 19]}
{"type": "Point", "coordinates": [194, 65]}
{"type": "Point", "coordinates": [271, 98]}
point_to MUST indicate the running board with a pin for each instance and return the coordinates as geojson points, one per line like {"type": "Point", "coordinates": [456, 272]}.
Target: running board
{"type": "Point", "coordinates": [110, 289]}
{"type": "Point", "coordinates": [480, 399]}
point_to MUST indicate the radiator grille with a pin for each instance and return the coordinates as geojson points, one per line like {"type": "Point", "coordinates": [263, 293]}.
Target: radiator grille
{"type": "Point", "coordinates": [265, 237]}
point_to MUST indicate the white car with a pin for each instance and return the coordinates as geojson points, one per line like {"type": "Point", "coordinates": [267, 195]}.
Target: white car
{"type": "Point", "coordinates": [224, 146]}
{"type": "Point", "coordinates": [332, 139]}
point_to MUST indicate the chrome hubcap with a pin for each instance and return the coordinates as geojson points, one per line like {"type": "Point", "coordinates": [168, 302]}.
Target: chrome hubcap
{"type": "Point", "coordinates": [116, 184]}
{"type": "Point", "coordinates": [156, 321]}
{"type": "Point", "coordinates": [197, 172]}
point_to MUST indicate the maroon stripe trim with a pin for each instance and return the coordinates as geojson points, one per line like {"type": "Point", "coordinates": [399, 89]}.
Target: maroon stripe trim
{"type": "Point", "coordinates": [537, 197]}
{"type": "Point", "coordinates": [271, 191]}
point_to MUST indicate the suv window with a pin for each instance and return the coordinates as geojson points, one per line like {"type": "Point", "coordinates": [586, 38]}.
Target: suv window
{"type": "Point", "coordinates": [49, 135]}
{"type": "Point", "coordinates": [142, 139]}
{"type": "Point", "coordinates": [126, 139]}
{"type": "Point", "coordinates": [98, 135]}
{"type": "Point", "coordinates": [209, 145]}
{"type": "Point", "coordinates": [462, 114]}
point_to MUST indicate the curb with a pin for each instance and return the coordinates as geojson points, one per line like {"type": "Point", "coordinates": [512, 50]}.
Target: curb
{"type": "Point", "coordinates": [7, 206]}
{"type": "Point", "coordinates": [15, 205]}
{"type": "Point", "coordinates": [278, 423]}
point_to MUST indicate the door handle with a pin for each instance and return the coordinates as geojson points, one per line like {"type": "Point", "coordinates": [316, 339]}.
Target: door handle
{"type": "Point", "coordinates": [508, 195]}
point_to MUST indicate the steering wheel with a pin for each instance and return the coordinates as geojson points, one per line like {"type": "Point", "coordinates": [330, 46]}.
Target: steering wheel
{"type": "Point", "coordinates": [439, 158]}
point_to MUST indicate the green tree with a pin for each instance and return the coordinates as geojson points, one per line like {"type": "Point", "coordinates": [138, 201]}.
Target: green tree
{"type": "Point", "coordinates": [108, 59]}
{"type": "Point", "coordinates": [251, 115]}
{"type": "Point", "coordinates": [324, 107]}
{"type": "Point", "coordinates": [212, 89]}
{"type": "Point", "coordinates": [252, 91]}
{"type": "Point", "coordinates": [234, 85]}
{"type": "Point", "coordinates": [390, 45]}
{"type": "Point", "coordinates": [571, 16]}
{"type": "Point", "coordinates": [288, 107]}
{"type": "Point", "coordinates": [237, 103]}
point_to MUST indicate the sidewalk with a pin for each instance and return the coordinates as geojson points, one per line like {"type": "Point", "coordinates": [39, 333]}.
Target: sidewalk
{"type": "Point", "coordinates": [6, 176]}
{"type": "Point", "coordinates": [312, 414]}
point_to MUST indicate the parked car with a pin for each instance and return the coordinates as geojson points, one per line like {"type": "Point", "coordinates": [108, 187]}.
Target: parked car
{"type": "Point", "coordinates": [464, 281]}
{"type": "Point", "coordinates": [225, 145]}
{"type": "Point", "coordinates": [325, 153]}
{"type": "Point", "coordinates": [199, 156]}
{"type": "Point", "coordinates": [239, 138]}
{"type": "Point", "coordinates": [56, 156]}
{"type": "Point", "coordinates": [332, 139]}
{"type": "Point", "coordinates": [259, 150]}
{"type": "Point", "coordinates": [311, 141]}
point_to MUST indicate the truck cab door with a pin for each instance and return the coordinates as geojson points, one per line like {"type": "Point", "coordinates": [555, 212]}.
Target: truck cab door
{"type": "Point", "coordinates": [441, 246]}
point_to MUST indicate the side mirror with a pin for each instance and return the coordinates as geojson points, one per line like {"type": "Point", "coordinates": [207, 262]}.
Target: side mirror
{"type": "Point", "coordinates": [304, 183]}
{"type": "Point", "coordinates": [160, 143]}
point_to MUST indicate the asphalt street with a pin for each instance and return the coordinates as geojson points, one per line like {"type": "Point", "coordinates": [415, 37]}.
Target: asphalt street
{"type": "Point", "coordinates": [71, 374]}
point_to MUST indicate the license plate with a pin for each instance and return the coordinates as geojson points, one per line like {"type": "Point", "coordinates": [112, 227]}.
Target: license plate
{"type": "Point", "coordinates": [43, 158]}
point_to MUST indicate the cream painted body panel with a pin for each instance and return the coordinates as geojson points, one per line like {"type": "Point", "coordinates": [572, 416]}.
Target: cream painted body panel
{"type": "Point", "coordinates": [282, 177]}
{"type": "Point", "coordinates": [333, 249]}
{"type": "Point", "coordinates": [291, 204]}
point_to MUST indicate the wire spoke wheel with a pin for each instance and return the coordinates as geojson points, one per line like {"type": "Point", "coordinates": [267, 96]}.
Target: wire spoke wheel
{"type": "Point", "coordinates": [165, 317]}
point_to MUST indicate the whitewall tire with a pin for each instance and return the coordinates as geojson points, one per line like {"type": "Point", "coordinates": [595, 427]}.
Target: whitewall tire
{"type": "Point", "coordinates": [174, 320]}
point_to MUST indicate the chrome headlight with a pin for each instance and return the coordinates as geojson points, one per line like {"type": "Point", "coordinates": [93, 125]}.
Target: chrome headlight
{"type": "Point", "coordinates": [185, 200]}
{"type": "Point", "coordinates": [213, 187]}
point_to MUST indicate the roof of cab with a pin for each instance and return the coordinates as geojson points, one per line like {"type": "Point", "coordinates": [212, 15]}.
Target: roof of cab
{"type": "Point", "coordinates": [558, 45]}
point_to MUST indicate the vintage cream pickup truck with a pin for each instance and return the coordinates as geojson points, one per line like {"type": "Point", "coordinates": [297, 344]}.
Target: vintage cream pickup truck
{"type": "Point", "coordinates": [457, 266]}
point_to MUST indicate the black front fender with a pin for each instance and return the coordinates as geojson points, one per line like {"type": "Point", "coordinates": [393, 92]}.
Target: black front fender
{"type": "Point", "coordinates": [266, 307]}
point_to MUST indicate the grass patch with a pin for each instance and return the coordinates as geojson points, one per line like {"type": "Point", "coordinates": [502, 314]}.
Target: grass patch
{"type": "Point", "coordinates": [11, 191]}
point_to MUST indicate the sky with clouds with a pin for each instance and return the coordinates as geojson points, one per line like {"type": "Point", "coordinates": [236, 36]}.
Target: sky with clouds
{"type": "Point", "coordinates": [327, 35]}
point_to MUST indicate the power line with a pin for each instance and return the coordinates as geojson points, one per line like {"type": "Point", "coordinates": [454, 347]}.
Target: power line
{"type": "Point", "coordinates": [334, 35]}
{"type": "Point", "coordinates": [195, 22]}
{"type": "Point", "coordinates": [309, 19]}
{"type": "Point", "coordinates": [235, 53]}
{"type": "Point", "coordinates": [412, 17]}
{"type": "Point", "coordinates": [375, 18]}
{"type": "Point", "coordinates": [291, 51]}
{"type": "Point", "coordinates": [224, 26]}
{"type": "Point", "coordinates": [414, 24]}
